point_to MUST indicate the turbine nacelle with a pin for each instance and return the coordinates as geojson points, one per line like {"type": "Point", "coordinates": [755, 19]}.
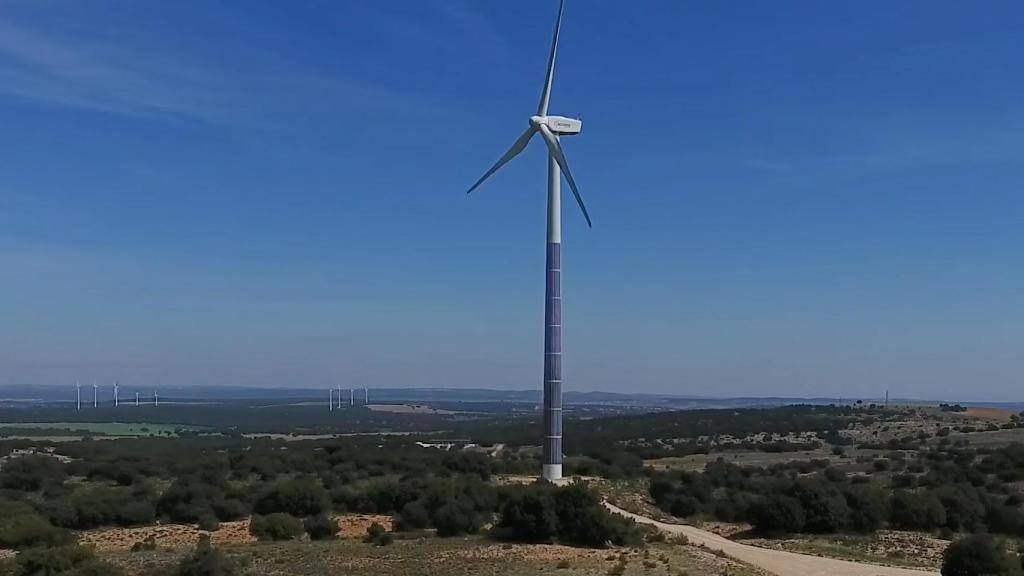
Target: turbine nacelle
{"type": "Point", "coordinates": [558, 124]}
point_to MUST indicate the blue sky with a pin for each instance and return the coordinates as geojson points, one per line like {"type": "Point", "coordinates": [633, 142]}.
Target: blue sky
{"type": "Point", "coordinates": [799, 198]}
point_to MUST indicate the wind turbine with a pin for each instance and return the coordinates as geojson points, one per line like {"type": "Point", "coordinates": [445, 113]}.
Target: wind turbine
{"type": "Point", "coordinates": [330, 402]}
{"type": "Point", "coordinates": [95, 394]}
{"type": "Point", "coordinates": [351, 396]}
{"type": "Point", "coordinates": [339, 397]}
{"type": "Point", "coordinates": [156, 399]}
{"type": "Point", "coordinates": [115, 394]}
{"type": "Point", "coordinates": [136, 398]}
{"type": "Point", "coordinates": [550, 129]}
{"type": "Point", "coordinates": [366, 396]}
{"type": "Point", "coordinates": [78, 395]}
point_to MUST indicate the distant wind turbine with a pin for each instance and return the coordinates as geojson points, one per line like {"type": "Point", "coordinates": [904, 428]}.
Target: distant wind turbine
{"type": "Point", "coordinates": [330, 401]}
{"type": "Point", "coordinates": [115, 394]}
{"type": "Point", "coordinates": [95, 394]}
{"type": "Point", "coordinates": [78, 395]}
{"type": "Point", "coordinates": [550, 128]}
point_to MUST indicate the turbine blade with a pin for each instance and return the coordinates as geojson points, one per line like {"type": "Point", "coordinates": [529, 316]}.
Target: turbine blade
{"type": "Point", "coordinates": [545, 95]}
{"type": "Point", "coordinates": [555, 148]}
{"type": "Point", "coordinates": [514, 151]}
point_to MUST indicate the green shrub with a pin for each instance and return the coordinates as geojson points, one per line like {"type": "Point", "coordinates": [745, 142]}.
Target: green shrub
{"type": "Point", "coordinates": [23, 530]}
{"type": "Point", "coordinates": [276, 526]}
{"type": "Point", "coordinates": [302, 496]}
{"type": "Point", "coordinates": [414, 516]}
{"type": "Point", "coordinates": [320, 527]}
{"type": "Point", "coordinates": [377, 534]}
{"type": "Point", "coordinates": [206, 560]}
{"type": "Point", "coordinates": [454, 518]}
{"type": "Point", "coordinates": [979, 555]}
{"type": "Point", "coordinates": [70, 560]}
{"type": "Point", "coordinates": [208, 522]}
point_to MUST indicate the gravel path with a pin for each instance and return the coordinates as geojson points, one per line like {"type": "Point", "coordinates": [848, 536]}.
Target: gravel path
{"type": "Point", "coordinates": [777, 562]}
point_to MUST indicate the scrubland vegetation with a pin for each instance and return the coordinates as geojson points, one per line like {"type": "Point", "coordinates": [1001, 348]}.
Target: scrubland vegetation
{"type": "Point", "coordinates": [928, 479]}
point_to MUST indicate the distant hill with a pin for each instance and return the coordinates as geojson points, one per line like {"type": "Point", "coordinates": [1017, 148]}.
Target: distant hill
{"type": "Point", "coordinates": [16, 395]}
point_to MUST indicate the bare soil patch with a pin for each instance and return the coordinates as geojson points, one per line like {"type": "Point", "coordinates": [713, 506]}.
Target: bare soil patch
{"type": "Point", "coordinates": [230, 533]}
{"type": "Point", "coordinates": [997, 414]}
{"type": "Point", "coordinates": [166, 535]}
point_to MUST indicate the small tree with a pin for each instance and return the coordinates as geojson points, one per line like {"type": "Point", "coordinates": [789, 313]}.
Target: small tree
{"type": "Point", "coordinates": [206, 561]}
{"type": "Point", "coordinates": [778, 513]}
{"type": "Point", "coordinates": [979, 555]}
{"type": "Point", "coordinates": [320, 527]}
{"type": "Point", "coordinates": [377, 534]}
{"type": "Point", "coordinates": [414, 516]}
{"type": "Point", "coordinates": [454, 518]}
{"type": "Point", "coordinates": [277, 526]}
{"type": "Point", "coordinates": [73, 559]}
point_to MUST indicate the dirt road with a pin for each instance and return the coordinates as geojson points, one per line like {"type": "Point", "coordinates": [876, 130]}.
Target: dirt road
{"type": "Point", "coordinates": [777, 562]}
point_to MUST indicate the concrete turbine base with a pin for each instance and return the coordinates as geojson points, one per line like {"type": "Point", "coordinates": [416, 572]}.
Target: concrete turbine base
{"type": "Point", "coordinates": [552, 472]}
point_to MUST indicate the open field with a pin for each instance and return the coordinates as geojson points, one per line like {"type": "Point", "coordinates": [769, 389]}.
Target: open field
{"type": "Point", "coordinates": [476, 556]}
{"type": "Point", "coordinates": [995, 438]}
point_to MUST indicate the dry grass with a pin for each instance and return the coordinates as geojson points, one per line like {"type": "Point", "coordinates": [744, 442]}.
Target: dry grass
{"type": "Point", "coordinates": [886, 547]}
{"type": "Point", "coordinates": [230, 533]}
{"type": "Point", "coordinates": [994, 414]}
{"type": "Point", "coordinates": [476, 556]}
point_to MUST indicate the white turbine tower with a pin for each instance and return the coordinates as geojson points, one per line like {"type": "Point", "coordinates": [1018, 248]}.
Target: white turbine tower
{"type": "Point", "coordinates": [78, 395]}
{"type": "Point", "coordinates": [95, 394]}
{"type": "Point", "coordinates": [115, 394]}
{"type": "Point", "coordinates": [366, 396]}
{"type": "Point", "coordinates": [351, 396]}
{"type": "Point", "coordinates": [550, 129]}
{"type": "Point", "coordinates": [340, 401]}
{"type": "Point", "coordinates": [136, 398]}
{"type": "Point", "coordinates": [330, 402]}
{"type": "Point", "coordinates": [156, 399]}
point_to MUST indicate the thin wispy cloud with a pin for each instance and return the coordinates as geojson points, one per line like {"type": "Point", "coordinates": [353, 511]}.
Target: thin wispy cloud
{"type": "Point", "coordinates": [128, 80]}
{"type": "Point", "coordinates": [120, 80]}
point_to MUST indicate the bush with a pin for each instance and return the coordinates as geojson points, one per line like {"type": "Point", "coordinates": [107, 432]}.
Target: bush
{"type": "Point", "coordinates": [454, 518]}
{"type": "Point", "coordinates": [149, 544]}
{"type": "Point", "coordinates": [206, 561]}
{"type": "Point", "coordinates": [825, 508]}
{"type": "Point", "coordinates": [320, 527]}
{"type": "Point", "coordinates": [571, 514]}
{"type": "Point", "coordinates": [979, 555]}
{"type": "Point", "coordinates": [106, 506]}
{"type": "Point", "coordinates": [778, 513]}
{"type": "Point", "coordinates": [529, 515]}
{"type": "Point", "coordinates": [302, 496]}
{"type": "Point", "coordinates": [63, 560]}
{"type": "Point", "coordinates": [209, 523]}
{"type": "Point", "coordinates": [32, 472]}
{"type": "Point", "coordinates": [276, 526]}
{"type": "Point", "coordinates": [869, 507]}
{"type": "Point", "coordinates": [414, 516]}
{"type": "Point", "coordinates": [378, 534]}
{"type": "Point", "coordinates": [25, 529]}
{"type": "Point", "coordinates": [917, 511]}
